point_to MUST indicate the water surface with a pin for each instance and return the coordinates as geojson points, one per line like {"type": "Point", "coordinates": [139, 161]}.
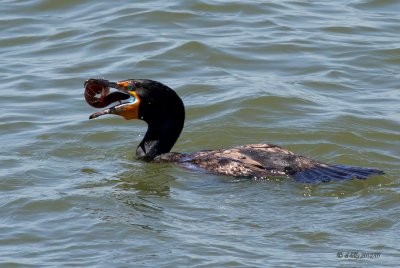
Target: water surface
{"type": "Point", "coordinates": [320, 78]}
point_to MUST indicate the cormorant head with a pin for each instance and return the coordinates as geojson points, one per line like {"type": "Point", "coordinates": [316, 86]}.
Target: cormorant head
{"type": "Point", "coordinates": [155, 103]}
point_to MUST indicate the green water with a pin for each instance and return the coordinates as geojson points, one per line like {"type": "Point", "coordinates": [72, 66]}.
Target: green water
{"type": "Point", "coordinates": [320, 78]}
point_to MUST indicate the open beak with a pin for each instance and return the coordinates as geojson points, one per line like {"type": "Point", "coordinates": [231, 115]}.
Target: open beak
{"type": "Point", "coordinates": [97, 94]}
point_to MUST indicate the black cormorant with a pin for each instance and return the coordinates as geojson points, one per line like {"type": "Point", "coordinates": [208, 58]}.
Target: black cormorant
{"type": "Point", "coordinates": [163, 110]}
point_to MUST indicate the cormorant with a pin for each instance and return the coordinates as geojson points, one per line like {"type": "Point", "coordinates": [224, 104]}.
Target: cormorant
{"type": "Point", "coordinates": [163, 110]}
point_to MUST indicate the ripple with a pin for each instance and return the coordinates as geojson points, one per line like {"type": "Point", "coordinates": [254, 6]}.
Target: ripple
{"type": "Point", "coordinates": [318, 78]}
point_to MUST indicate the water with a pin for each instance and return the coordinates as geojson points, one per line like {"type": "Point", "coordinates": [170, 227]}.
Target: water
{"type": "Point", "coordinates": [320, 78]}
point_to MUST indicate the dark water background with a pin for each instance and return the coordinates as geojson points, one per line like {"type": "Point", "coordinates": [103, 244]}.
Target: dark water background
{"type": "Point", "coordinates": [318, 77]}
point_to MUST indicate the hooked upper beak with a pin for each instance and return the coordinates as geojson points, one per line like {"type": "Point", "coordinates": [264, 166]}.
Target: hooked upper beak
{"type": "Point", "coordinates": [128, 109]}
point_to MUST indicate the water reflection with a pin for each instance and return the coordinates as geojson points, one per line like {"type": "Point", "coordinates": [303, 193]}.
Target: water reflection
{"type": "Point", "coordinates": [151, 180]}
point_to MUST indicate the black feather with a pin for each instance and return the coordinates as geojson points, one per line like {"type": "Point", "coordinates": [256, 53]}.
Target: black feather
{"type": "Point", "coordinates": [324, 173]}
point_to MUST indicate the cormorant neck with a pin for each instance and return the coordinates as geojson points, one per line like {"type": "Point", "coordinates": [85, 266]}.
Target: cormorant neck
{"type": "Point", "coordinates": [160, 137]}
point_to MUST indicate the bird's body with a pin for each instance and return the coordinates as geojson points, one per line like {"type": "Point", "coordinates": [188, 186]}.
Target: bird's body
{"type": "Point", "coordinates": [164, 113]}
{"type": "Point", "coordinates": [260, 161]}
